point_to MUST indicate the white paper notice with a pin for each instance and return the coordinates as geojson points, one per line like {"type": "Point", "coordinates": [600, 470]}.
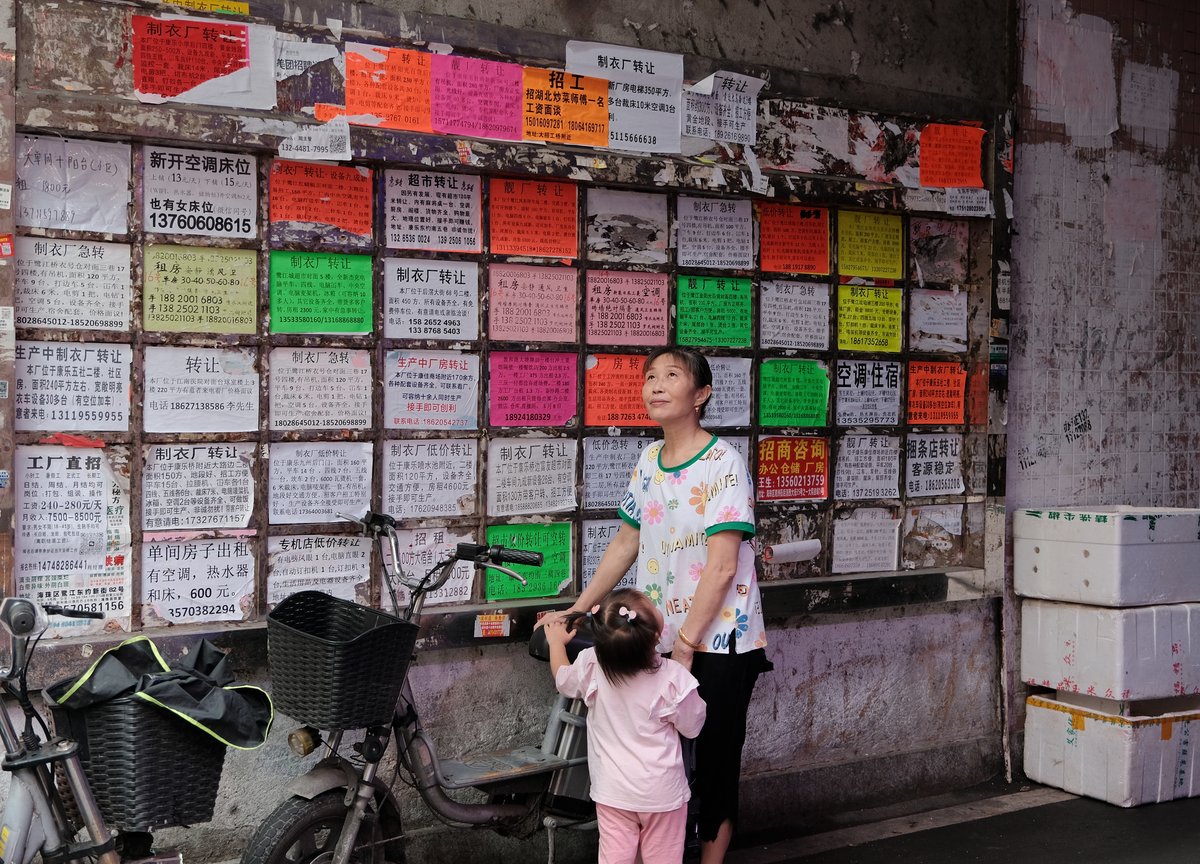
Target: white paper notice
{"type": "Point", "coordinates": [868, 466]}
{"type": "Point", "coordinates": [967, 201]}
{"type": "Point", "coordinates": [200, 390]}
{"type": "Point", "coordinates": [197, 486]}
{"type": "Point", "coordinates": [723, 107]}
{"type": "Point", "coordinates": [296, 58]}
{"type": "Point", "coordinates": [432, 211]}
{"type": "Point", "coordinates": [530, 475]}
{"type": "Point", "coordinates": [430, 390]}
{"type": "Point", "coordinates": [740, 443]}
{"type": "Point", "coordinates": [197, 580]}
{"type": "Point", "coordinates": [794, 315]}
{"type": "Point", "coordinates": [71, 538]}
{"type": "Point", "coordinates": [316, 481]}
{"type": "Point", "coordinates": [868, 393]}
{"type": "Point", "coordinates": [200, 192]}
{"type": "Point", "coordinates": [320, 388]}
{"type": "Point", "coordinates": [435, 477]}
{"type": "Point", "coordinates": [934, 465]}
{"type": "Point", "coordinates": [865, 542]}
{"type": "Point", "coordinates": [64, 504]}
{"type": "Point", "coordinates": [420, 550]}
{"type": "Point", "coordinates": [72, 184]}
{"type": "Point", "coordinates": [72, 386]}
{"type": "Point", "coordinates": [340, 566]}
{"type": "Point", "coordinates": [596, 535]}
{"type": "Point", "coordinates": [644, 93]}
{"type": "Point", "coordinates": [329, 140]}
{"type": "Point", "coordinates": [937, 320]}
{"type": "Point", "coordinates": [607, 464]}
{"type": "Point", "coordinates": [714, 233]}
{"type": "Point", "coordinates": [426, 299]}
{"type": "Point", "coordinates": [1003, 285]}
{"type": "Point", "coordinates": [72, 285]}
{"type": "Point", "coordinates": [5, 196]}
{"type": "Point", "coordinates": [251, 86]}
{"type": "Point", "coordinates": [730, 402]}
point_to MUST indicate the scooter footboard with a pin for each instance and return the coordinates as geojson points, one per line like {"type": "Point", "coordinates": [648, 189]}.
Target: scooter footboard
{"type": "Point", "coordinates": [566, 734]}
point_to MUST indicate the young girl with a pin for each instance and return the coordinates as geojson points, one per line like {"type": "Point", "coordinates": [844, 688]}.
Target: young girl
{"type": "Point", "coordinates": [638, 706]}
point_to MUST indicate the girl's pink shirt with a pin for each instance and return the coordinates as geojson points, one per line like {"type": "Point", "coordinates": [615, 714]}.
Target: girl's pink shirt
{"type": "Point", "coordinates": [634, 755]}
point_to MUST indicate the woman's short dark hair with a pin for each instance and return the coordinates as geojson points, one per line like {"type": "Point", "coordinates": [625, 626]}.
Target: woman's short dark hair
{"type": "Point", "coordinates": [692, 360]}
{"type": "Point", "coordinates": [625, 646]}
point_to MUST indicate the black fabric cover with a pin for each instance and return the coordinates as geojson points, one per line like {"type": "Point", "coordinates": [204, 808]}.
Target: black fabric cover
{"type": "Point", "coordinates": [198, 690]}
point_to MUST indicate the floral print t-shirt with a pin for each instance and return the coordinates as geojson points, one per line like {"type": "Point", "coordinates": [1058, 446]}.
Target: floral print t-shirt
{"type": "Point", "coordinates": [676, 509]}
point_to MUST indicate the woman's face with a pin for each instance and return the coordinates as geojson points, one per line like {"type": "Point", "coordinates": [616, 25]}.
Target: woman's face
{"type": "Point", "coordinates": [670, 392]}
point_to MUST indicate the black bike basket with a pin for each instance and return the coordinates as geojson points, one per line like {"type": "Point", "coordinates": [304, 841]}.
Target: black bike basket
{"type": "Point", "coordinates": [147, 767]}
{"type": "Point", "coordinates": [335, 664]}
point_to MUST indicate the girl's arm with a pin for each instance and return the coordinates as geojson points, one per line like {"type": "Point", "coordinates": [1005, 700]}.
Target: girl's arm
{"type": "Point", "coordinates": [715, 579]}
{"type": "Point", "coordinates": [557, 637]}
{"type": "Point", "coordinates": [618, 557]}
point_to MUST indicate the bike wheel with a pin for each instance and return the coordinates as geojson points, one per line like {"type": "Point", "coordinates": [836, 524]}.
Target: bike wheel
{"type": "Point", "coordinates": [301, 831]}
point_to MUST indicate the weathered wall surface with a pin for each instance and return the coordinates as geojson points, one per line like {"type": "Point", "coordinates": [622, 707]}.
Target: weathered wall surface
{"type": "Point", "coordinates": [862, 707]}
{"type": "Point", "coordinates": [1105, 374]}
{"type": "Point", "coordinates": [914, 57]}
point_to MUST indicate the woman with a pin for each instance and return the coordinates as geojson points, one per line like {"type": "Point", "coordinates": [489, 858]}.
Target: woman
{"type": "Point", "coordinates": [687, 519]}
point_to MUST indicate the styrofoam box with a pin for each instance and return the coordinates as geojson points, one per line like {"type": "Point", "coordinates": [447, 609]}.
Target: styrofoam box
{"type": "Point", "coordinates": [1122, 760]}
{"type": "Point", "coordinates": [1108, 556]}
{"type": "Point", "coordinates": [1143, 652]}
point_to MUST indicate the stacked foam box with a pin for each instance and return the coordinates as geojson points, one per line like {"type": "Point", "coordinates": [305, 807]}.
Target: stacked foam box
{"type": "Point", "coordinates": [1111, 622]}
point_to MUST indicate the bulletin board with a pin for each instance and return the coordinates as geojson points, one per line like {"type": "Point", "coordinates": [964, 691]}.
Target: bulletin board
{"type": "Point", "coordinates": [219, 352]}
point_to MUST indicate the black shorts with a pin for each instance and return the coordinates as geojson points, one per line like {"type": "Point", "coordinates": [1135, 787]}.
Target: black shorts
{"type": "Point", "coordinates": [726, 683]}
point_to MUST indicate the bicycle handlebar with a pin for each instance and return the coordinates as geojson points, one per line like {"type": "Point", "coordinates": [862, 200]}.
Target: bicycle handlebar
{"type": "Point", "coordinates": [383, 528]}
{"type": "Point", "coordinates": [499, 554]}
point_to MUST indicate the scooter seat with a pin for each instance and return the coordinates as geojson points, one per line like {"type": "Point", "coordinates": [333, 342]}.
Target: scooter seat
{"type": "Point", "coordinates": [539, 648]}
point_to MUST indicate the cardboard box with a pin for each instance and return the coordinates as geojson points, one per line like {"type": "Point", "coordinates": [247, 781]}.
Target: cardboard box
{"type": "Point", "coordinates": [1143, 652]}
{"type": "Point", "coordinates": [1108, 556]}
{"type": "Point", "coordinates": [1125, 761]}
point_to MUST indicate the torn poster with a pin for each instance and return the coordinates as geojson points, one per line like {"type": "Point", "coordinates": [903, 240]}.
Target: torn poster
{"type": "Point", "coordinates": [203, 62]}
{"type": "Point", "coordinates": [723, 107]}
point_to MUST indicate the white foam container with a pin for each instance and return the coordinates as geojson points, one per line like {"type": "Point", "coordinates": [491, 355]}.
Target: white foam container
{"type": "Point", "coordinates": [1125, 761]}
{"type": "Point", "coordinates": [1108, 556]}
{"type": "Point", "coordinates": [1143, 652]}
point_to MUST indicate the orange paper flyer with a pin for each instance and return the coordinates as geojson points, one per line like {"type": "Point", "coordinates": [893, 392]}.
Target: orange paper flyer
{"type": "Point", "coordinates": [565, 108]}
{"type": "Point", "coordinates": [388, 87]}
{"type": "Point", "coordinates": [613, 391]}
{"type": "Point", "coordinates": [936, 393]}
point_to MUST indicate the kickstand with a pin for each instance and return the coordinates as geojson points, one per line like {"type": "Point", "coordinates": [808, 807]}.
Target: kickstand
{"type": "Point", "coordinates": [551, 823]}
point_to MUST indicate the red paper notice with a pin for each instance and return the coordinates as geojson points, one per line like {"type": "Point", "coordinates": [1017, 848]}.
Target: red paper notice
{"type": "Point", "coordinates": [951, 156]}
{"type": "Point", "coordinates": [534, 217]}
{"type": "Point", "coordinates": [337, 195]}
{"type": "Point", "coordinates": [793, 238]}
{"type": "Point", "coordinates": [171, 57]}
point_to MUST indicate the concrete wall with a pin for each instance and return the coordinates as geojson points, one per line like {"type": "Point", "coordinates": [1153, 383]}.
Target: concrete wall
{"type": "Point", "coordinates": [863, 707]}
{"type": "Point", "coordinates": [1105, 374]}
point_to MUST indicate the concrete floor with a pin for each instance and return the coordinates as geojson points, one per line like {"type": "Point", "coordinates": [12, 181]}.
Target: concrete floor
{"type": "Point", "coordinates": [994, 826]}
